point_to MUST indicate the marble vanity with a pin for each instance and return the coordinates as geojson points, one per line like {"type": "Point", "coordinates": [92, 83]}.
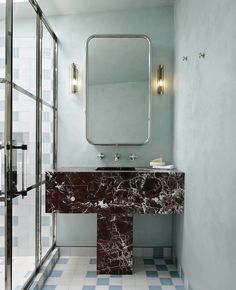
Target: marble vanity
{"type": "Point", "coordinates": [115, 195]}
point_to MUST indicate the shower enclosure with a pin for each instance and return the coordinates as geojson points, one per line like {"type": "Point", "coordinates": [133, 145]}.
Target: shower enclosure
{"type": "Point", "coordinates": [28, 129]}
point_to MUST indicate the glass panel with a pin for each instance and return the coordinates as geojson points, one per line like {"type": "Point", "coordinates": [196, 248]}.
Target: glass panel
{"type": "Point", "coordinates": [23, 240]}
{"type": "Point", "coordinates": [24, 124]}
{"type": "Point", "coordinates": [47, 138]}
{"type": "Point", "coordinates": [47, 73]}
{"type": "Point", "coordinates": [2, 109]}
{"type": "Point", "coordinates": [2, 116]}
{"type": "Point", "coordinates": [46, 229]}
{"type": "Point", "coordinates": [24, 46]}
{"type": "Point", "coordinates": [2, 210]}
{"type": "Point", "coordinates": [2, 245]}
{"type": "Point", "coordinates": [2, 40]}
{"type": "Point", "coordinates": [47, 164]}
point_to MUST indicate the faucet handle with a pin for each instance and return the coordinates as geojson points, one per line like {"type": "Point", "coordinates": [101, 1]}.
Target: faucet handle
{"type": "Point", "coordinates": [116, 157]}
{"type": "Point", "coordinates": [133, 156]}
{"type": "Point", "coordinates": [101, 156]}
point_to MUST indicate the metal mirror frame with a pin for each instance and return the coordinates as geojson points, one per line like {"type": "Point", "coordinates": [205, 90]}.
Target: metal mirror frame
{"type": "Point", "coordinates": [131, 36]}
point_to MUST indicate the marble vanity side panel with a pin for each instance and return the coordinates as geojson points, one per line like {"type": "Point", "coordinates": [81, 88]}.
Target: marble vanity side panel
{"type": "Point", "coordinates": [160, 193]}
{"type": "Point", "coordinates": [114, 244]}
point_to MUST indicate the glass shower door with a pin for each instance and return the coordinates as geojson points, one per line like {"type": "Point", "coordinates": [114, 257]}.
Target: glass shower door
{"type": "Point", "coordinates": [47, 133]}
{"type": "Point", "coordinates": [2, 125]}
{"type": "Point", "coordinates": [23, 207]}
{"type": "Point", "coordinates": [27, 142]}
{"type": "Point", "coordinates": [2, 189]}
{"type": "Point", "coordinates": [24, 104]}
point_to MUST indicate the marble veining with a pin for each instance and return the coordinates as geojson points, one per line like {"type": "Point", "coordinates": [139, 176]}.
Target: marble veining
{"type": "Point", "coordinates": [115, 244]}
{"type": "Point", "coordinates": [115, 192]}
{"type": "Point", "coordinates": [115, 196]}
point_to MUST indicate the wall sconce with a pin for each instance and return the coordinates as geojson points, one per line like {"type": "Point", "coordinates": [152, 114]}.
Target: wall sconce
{"type": "Point", "coordinates": [74, 79]}
{"type": "Point", "coordinates": [161, 80]}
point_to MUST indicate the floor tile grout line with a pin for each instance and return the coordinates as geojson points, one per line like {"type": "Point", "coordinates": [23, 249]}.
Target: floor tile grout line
{"type": "Point", "coordinates": [139, 277]}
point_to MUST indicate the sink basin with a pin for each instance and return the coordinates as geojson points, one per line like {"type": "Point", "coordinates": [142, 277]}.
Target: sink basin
{"type": "Point", "coordinates": [116, 168]}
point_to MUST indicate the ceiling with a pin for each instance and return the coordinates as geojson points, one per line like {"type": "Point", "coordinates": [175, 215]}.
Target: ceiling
{"type": "Point", "coordinates": [65, 7]}
{"type": "Point", "coordinates": [22, 9]}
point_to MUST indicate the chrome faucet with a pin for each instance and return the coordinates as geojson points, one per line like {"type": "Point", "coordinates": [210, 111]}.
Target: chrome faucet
{"type": "Point", "coordinates": [116, 157]}
{"type": "Point", "coordinates": [133, 156]}
{"type": "Point", "coordinates": [101, 156]}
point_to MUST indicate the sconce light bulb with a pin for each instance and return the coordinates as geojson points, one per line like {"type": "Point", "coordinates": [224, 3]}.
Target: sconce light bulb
{"type": "Point", "coordinates": [74, 79]}
{"type": "Point", "coordinates": [74, 82]}
{"type": "Point", "coordinates": [160, 80]}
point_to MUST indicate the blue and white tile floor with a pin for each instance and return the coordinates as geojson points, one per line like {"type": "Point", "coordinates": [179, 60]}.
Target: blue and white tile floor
{"type": "Point", "coordinates": [79, 273]}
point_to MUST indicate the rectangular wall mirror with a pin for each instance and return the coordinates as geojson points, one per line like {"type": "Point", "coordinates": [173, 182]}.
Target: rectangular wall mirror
{"type": "Point", "coordinates": [118, 89]}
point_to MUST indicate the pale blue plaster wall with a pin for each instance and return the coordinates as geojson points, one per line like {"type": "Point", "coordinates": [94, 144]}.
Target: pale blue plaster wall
{"type": "Point", "coordinates": [74, 150]}
{"type": "Point", "coordinates": [205, 141]}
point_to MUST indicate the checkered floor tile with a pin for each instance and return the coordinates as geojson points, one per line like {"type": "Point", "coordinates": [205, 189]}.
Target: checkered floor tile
{"type": "Point", "coordinates": [79, 273]}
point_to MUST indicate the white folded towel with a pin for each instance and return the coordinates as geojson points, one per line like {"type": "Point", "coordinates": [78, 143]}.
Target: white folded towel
{"type": "Point", "coordinates": [157, 162]}
{"type": "Point", "coordinates": [166, 167]}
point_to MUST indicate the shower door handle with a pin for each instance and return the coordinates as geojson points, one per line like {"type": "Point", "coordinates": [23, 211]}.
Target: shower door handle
{"type": "Point", "coordinates": [24, 170]}
{"type": "Point", "coordinates": [23, 190]}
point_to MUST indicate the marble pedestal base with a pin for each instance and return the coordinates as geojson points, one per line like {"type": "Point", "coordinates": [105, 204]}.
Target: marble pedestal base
{"type": "Point", "coordinates": [115, 196]}
{"type": "Point", "coordinates": [114, 244]}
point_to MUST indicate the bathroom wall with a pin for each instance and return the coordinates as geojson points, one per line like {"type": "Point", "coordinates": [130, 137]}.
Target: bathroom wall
{"type": "Point", "coordinates": [74, 150]}
{"type": "Point", "coordinates": [205, 141]}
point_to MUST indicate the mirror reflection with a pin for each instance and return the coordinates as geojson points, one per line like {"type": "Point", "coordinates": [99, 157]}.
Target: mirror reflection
{"type": "Point", "coordinates": [118, 89]}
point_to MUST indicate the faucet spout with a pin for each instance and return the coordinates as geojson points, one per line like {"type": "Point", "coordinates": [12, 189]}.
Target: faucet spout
{"type": "Point", "coordinates": [116, 157]}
